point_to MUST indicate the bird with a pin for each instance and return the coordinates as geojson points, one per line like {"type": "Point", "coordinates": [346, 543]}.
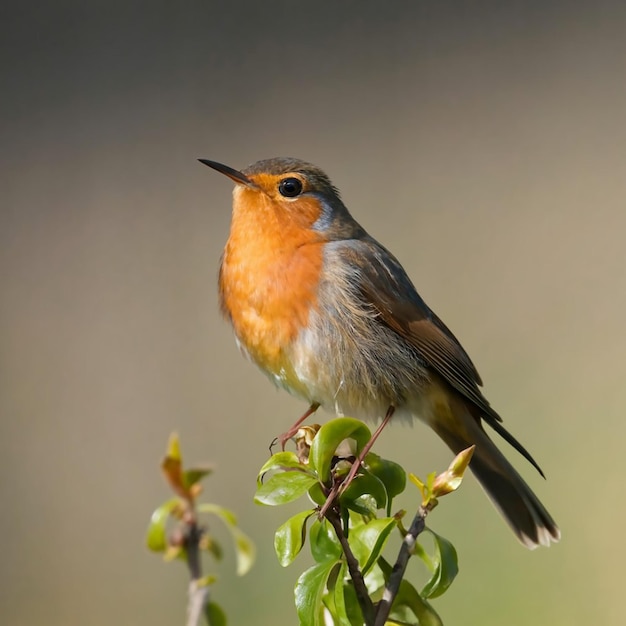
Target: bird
{"type": "Point", "coordinates": [330, 315]}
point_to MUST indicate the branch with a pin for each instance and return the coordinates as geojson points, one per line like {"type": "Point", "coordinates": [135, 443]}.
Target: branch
{"type": "Point", "coordinates": [198, 599]}
{"type": "Point", "coordinates": [365, 602]}
{"type": "Point", "coordinates": [198, 594]}
{"type": "Point", "coordinates": [397, 573]}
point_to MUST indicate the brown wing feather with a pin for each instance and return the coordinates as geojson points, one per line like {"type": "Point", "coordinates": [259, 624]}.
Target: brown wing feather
{"type": "Point", "coordinates": [385, 286]}
{"type": "Point", "coordinates": [442, 352]}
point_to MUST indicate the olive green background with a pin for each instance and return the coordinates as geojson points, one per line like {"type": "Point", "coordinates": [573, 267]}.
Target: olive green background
{"type": "Point", "coordinates": [483, 142]}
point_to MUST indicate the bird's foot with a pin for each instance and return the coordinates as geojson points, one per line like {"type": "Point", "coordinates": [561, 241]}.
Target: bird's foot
{"type": "Point", "coordinates": [338, 488]}
{"type": "Point", "coordinates": [291, 433]}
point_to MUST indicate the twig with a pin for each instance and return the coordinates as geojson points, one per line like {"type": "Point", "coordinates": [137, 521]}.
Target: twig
{"type": "Point", "coordinates": [397, 573]}
{"type": "Point", "coordinates": [365, 602]}
{"type": "Point", "coordinates": [198, 599]}
{"type": "Point", "coordinates": [198, 594]}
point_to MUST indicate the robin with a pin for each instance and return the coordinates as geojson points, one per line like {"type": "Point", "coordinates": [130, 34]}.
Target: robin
{"type": "Point", "coordinates": [330, 315]}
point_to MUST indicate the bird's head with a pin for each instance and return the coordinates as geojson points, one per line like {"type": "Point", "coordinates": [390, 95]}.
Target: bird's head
{"type": "Point", "coordinates": [291, 191]}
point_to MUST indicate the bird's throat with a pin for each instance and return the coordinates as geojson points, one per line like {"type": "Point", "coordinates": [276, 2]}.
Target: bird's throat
{"type": "Point", "coordinates": [268, 284]}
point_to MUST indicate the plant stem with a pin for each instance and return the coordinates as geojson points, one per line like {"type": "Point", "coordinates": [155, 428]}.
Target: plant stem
{"type": "Point", "coordinates": [397, 573]}
{"type": "Point", "coordinates": [198, 594]}
{"type": "Point", "coordinates": [198, 599]}
{"type": "Point", "coordinates": [365, 602]}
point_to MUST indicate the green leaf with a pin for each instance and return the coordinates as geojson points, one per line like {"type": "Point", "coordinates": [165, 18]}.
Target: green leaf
{"type": "Point", "coordinates": [409, 597]}
{"type": "Point", "coordinates": [226, 515]}
{"type": "Point", "coordinates": [156, 536]}
{"type": "Point", "coordinates": [309, 591]}
{"type": "Point", "coordinates": [353, 608]}
{"type": "Point", "coordinates": [206, 581]}
{"type": "Point", "coordinates": [329, 437]}
{"type": "Point", "coordinates": [364, 484]}
{"type": "Point", "coordinates": [340, 613]}
{"type": "Point", "coordinates": [281, 461]}
{"type": "Point", "coordinates": [369, 540]}
{"type": "Point", "coordinates": [317, 495]}
{"type": "Point", "coordinates": [283, 488]}
{"type": "Point", "coordinates": [426, 489]}
{"type": "Point", "coordinates": [446, 567]}
{"type": "Point", "coordinates": [324, 543]}
{"type": "Point", "coordinates": [391, 474]}
{"type": "Point", "coordinates": [194, 475]}
{"type": "Point", "coordinates": [246, 551]}
{"type": "Point", "coordinates": [328, 598]}
{"type": "Point", "coordinates": [418, 551]}
{"type": "Point", "coordinates": [175, 552]}
{"type": "Point", "coordinates": [214, 614]}
{"type": "Point", "coordinates": [290, 537]}
{"type": "Point", "coordinates": [364, 505]}
{"type": "Point", "coordinates": [212, 546]}
{"type": "Point", "coordinates": [244, 547]}
{"type": "Point", "coordinates": [375, 578]}
{"type": "Point", "coordinates": [347, 609]}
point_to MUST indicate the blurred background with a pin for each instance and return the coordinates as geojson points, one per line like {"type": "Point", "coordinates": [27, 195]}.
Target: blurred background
{"type": "Point", "coordinates": [483, 142]}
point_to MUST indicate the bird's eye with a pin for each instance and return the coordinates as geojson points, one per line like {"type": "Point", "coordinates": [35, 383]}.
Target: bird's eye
{"type": "Point", "coordinates": [290, 187]}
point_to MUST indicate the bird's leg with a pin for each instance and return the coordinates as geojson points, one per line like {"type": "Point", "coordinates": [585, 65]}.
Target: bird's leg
{"type": "Point", "coordinates": [337, 491]}
{"type": "Point", "coordinates": [366, 449]}
{"type": "Point", "coordinates": [286, 436]}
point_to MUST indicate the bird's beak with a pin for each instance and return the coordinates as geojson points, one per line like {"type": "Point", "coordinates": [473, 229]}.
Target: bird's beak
{"type": "Point", "coordinates": [235, 175]}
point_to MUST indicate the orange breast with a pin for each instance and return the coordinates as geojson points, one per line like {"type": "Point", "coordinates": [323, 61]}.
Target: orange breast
{"type": "Point", "coordinates": [269, 281]}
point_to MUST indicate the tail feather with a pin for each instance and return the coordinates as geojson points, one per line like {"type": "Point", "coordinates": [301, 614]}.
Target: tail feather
{"type": "Point", "coordinates": [520, 507]}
